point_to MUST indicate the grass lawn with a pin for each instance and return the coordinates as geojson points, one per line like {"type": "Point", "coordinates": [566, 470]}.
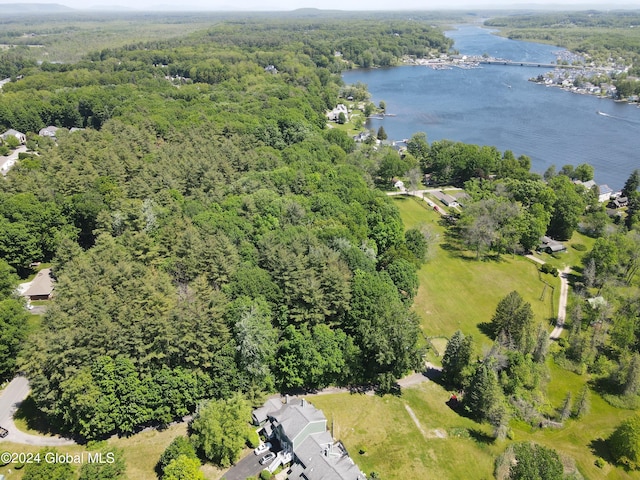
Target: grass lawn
{"type": "Point", "coordinates": [458, 292]}
{"type": "Point", "coordinates": [141, 453]}
{"type": "Point", "coordinates": [572, 257]}
{"type": "Point", "coordinates": [396, 447]}
{"type": "Point", "coordinates": [580, 439]}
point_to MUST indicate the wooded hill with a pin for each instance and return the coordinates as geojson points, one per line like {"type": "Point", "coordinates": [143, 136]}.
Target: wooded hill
{"type": "Point", "coordinates": [207, 232]}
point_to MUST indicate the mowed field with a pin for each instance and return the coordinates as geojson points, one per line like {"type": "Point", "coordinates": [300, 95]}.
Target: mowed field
{"type": "Point", "coordinates": [459, 292]}
{"type": "Point", "coordinates": [382, 435]}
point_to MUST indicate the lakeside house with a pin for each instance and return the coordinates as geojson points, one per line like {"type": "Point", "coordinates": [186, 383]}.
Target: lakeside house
{"type": "Point", "coordinates": [334, 115]}
{"type": "Point", "coordinates": [300, 430]}
{"type": "Point", "coordinates": [605, 193]}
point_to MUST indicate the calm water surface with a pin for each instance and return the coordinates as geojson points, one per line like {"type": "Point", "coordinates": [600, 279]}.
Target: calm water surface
{"type": "Point", "coordinates": [497, 105]}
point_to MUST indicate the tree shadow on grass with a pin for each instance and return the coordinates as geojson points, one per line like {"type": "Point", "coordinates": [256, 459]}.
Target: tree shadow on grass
{"type": "Point", "coordinates": [481, 437]}
{"type": "Point", "coordinates": [600, 448]}
{"type": "Point", "coordinates": [29, 413]}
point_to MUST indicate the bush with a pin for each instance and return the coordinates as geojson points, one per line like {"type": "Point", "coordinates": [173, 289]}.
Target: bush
{"type": "Point", "coordinates": [580, 247]}
{"type": "Point", "coordinates": [4, 150]}
{"type": "Point", "coordinates": [600, 463]}
{"type": "Point", "coordinates": [547, 268]}
{"type": "Point", "coordinates": [265, 475]}
{"type": "Point", "coordinates": [179, 446]}
{"type": "Point", "coordinates": [253, 439]}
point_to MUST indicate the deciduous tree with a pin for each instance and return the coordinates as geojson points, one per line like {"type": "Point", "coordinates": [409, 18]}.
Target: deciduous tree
{"type": "Point", "coordinates": [219, 429]}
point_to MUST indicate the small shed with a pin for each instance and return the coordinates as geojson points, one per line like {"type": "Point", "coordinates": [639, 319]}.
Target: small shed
{"type": "Point", "coordinates": [41, 287]}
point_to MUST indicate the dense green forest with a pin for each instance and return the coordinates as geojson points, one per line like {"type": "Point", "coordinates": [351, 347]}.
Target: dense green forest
{"type": "Point", "coordinates": [207, 233]}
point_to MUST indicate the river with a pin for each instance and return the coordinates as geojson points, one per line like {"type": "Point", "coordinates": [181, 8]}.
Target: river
{"type": "Point", "coordinates": [497, 105]}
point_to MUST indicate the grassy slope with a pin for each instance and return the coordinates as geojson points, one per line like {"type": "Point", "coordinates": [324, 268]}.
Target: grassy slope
{"type": "Point", "coordinates": [141, 451]}
{"type": "Point", "coordinates": [395, 447]}
{"type": "Point", "coordinates": [459, 292]}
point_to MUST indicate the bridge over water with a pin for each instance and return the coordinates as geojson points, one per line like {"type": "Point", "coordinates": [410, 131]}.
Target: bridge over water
{"type": "Point", "coordinates": [515, 63]}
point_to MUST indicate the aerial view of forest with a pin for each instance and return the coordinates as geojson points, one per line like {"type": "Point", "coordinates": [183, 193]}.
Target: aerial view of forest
{"type": "Point", "coordinates": [197, 225]}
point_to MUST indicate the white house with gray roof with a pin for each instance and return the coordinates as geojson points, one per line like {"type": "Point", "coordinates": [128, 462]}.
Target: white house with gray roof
{"type": "Point", "coordinates": [301, 430]}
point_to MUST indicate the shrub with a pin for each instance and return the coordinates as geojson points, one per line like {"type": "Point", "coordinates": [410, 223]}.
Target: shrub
{"type": "Point", "coordinates": [547, 268]}
{"type": "Point", "coordinates": [253, 439]}
{"type": "Point", "coordinates": [265, 475]}
{"type": "Point", "coordinates": [600, 463]}
{"type": "Point", "coordinates": [580, 247]}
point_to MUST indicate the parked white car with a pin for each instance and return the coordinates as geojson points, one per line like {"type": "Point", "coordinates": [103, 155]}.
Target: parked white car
{"type": "Point", "coordinates": [263, 447]}
{"type": "Point", "coordinates": [267, 458]}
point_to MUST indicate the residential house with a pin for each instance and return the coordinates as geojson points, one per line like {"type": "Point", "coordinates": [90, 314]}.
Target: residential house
{"type": "Point", "coordinates": [22, 138]}
{"type": "Point", "coordinates": [618, 202]}
{"type": "Point", "coordinates": [41, 287]}
{"type": "Point", "coordinates": [362, 136]}
{"type": "Point", "coordinates": [271, 69]}
{"type": "Point", "coordinates": [399, 184]}
{"type": "Point", "coordinates": [447, 200]}
{"type": "Point", "coordinates": [549, 245]}
{"type": "Point", "coordinates": [301, 431]}
{"type": "Point", "coordinates": [334, 115]}
{"type": "Point", "coordinates": [605, 193]}
{"type": "Point", "coordinates": [49, 131]}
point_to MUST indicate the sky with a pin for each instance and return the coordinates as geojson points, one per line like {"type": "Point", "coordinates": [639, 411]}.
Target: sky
{"type": "Point", "coordinates": [357, 5]}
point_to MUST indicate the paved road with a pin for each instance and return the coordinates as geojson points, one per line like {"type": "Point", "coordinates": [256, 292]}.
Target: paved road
{"type": "Point", "coordinates": [248, 466]}
{"type": "Point", "coordinates": [10, 160]}
{"type": "Point", "coordinates": [562, 304]}
{"type": "Point", "coordinates": [10, 399]}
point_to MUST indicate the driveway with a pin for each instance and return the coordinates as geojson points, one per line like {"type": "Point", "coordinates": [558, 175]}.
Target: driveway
{"type": "Point", "coordinates": [246, 467]}
{"type": "Point", "coordinates": [10, 399]}
{"type": "Point", "coordinates": [562, 304]}
{"type": "Point", "coordinates": [7, 162]}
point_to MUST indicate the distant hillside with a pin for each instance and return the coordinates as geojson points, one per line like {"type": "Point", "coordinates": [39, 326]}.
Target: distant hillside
{"type": "Point", "coordinates": [31, 8]}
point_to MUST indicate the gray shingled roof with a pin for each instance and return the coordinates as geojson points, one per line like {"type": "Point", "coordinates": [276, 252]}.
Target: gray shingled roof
{"type": "Point", "coordinates": [272, 405]}
{"type": "Point", "coordinates": [295, 415]}
{"type": "Point", "coordinates": [325, 460]}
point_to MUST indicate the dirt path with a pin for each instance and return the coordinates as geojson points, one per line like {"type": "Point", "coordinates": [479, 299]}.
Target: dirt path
{"type": "Point", "coordinates": [10, 399]}
{"type": "Point", "coordinates": [562, 304]}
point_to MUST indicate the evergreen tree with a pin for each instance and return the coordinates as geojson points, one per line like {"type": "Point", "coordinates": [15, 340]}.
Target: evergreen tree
{"type": "Point", "coordinates": [484, 398]}
{"type": "Point", "coordinates": [456, 361]}
{"type": "Point", "coordinates": [381, 135]}
{"type": "Point", "coordinates": [513, 324]}
{"type": "Point", "coordinates": [565, 411]}
{"type": "Point", "coordinates": [582, 403]}
{"type": "Point", "coordinates": [632, 184]}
